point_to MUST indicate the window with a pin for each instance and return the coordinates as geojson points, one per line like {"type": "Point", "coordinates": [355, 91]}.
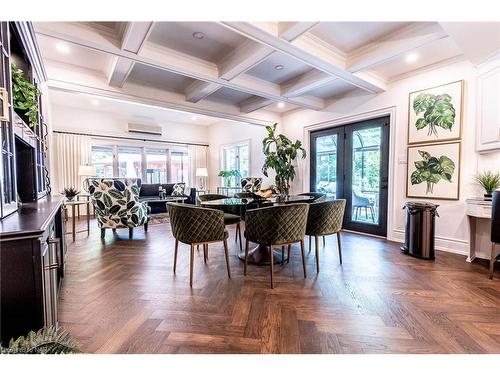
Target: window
{"type": "Point", "coordinates": [129, 162]}
{"type": "Point", "coordinates": [152, 165]}
{"type": "Point", "coordinates": [179, 163]}
{"type": "Point", "coordinates": [156, 166]}
{"type": "Point", "coordinates": [102, 160]}
{"type": "Point", "coordinates": [236, 157]}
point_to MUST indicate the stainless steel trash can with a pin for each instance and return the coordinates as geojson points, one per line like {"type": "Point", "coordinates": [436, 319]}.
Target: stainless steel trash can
{"type": "Point", "coordinates": [420, 228]}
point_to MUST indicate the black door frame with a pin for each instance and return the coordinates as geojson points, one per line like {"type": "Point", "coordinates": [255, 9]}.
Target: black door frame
{"type": "Point", "coordinates": [344, 166]}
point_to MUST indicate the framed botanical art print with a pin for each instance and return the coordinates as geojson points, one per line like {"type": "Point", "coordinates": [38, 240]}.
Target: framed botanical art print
{"type": "Point", "coordinates": [435, 114]}
{"type": "Point", "coordinates": [434, 171]}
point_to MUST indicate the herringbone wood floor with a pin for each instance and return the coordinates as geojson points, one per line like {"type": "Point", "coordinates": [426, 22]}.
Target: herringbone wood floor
{"type": "Point", "coordinates": [122, 297]}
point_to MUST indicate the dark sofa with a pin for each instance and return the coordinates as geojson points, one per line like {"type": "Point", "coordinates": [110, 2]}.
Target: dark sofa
{"type": "Point", "coordinates": [151, 190]}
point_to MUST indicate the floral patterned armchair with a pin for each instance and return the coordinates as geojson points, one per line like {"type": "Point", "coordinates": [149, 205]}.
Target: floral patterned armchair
{"type": "Point", "coordinates": [116, 203]}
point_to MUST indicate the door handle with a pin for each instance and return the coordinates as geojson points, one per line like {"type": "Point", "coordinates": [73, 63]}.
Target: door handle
{"type": "Point", "coordinates": [57, 242]}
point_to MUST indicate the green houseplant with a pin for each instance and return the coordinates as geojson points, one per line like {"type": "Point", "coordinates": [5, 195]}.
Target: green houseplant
{"type": "Point", "coordinates": [48, 340]}
{"type": "Point", "coordinates": [25, 96]}
{"type": "Point", "coordinates": [280, 152]}
{"type": "Point", "coordinates": [228, 175]}
{"type": "Point", "coordinates": [490, 181]}
{"type": "Point", "coordinates": [70, 193]}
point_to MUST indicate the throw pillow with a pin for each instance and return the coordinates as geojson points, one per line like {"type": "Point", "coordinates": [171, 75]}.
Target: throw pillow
{"type": "Point", "coordinates": [178, 189]}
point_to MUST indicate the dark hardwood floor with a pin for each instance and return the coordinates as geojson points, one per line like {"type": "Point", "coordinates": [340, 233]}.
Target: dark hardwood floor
{"type": "Point", "coordinates": [121, 296]}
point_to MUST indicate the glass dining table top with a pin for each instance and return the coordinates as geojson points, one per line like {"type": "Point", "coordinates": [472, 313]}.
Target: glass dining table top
{"type": "Point", "coordinates": [245, 201]}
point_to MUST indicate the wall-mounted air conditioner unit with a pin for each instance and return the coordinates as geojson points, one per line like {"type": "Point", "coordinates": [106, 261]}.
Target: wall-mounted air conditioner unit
{"type": "Point", "coordinates": [144, 129]}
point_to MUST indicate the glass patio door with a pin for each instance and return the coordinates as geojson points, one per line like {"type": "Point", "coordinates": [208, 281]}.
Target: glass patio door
{"type": "Point", "coordinates": [351, 162]}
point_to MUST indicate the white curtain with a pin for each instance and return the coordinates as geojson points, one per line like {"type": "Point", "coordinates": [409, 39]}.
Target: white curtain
{"type": "Point", "coordinates": [68, 153]}
{"type": "Point", "coordinates": [198, 158]}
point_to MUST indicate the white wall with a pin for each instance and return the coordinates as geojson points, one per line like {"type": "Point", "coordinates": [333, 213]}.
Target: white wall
{"type": "Point", "coordinates": [221, 134]}
{"type": "Point", "coordinates": [452, 227]}
{"type": "Point", "coordinates": [100, 122]}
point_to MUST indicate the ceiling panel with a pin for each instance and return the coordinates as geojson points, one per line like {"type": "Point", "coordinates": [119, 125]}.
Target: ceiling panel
{"type": "Point", "coordinates": [228, 96]}
{"type": "Point", "coordinates": [426, 55]}
{"type": "Point", "coordinates": [216, 43]}
{"type": "Point", "coordinates": [72, 54]}
{"type": "Point", "coordinates": [336, 87]}
{"type": "Point", "coordinates": [266, 69]}
{"type": "Point", "coordinates": [348, 36]}
{"type": "Point", "coordinates": [148, 76]}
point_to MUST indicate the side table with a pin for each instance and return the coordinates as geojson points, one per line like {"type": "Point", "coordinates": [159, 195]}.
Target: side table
{"type": "Point", "coordinates": [74, 204]}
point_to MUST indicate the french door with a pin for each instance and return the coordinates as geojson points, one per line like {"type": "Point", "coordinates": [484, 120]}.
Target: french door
{"type": "Point", "coordinates": [351, 162]}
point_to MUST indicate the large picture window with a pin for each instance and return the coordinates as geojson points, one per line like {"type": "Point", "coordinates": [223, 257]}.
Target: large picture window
{"type": "Point", "coordinates": [236, 157]}
{"type": "Point", "coordinates": [152, 165]}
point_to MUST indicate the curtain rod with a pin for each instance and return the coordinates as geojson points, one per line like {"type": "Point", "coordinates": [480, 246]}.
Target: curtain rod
{"type": "Point", "coordinates": [131, 138]}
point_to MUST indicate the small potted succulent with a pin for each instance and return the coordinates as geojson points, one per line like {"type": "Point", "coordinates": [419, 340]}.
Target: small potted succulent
{"type": "Point", "coordinates": [490, 181]}
{"type": "Point", "coordinates": [70, 193]}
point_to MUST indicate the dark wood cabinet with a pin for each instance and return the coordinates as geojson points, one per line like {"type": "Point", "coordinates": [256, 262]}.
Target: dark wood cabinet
{"type": "Point", "coordinates": [32, 254]}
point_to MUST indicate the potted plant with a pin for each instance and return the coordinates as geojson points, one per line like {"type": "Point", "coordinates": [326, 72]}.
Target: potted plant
{"type": "Point", "coordinates": [228, 176]}
{"type": "Point", "coordinates": [25, 96]}
{"type": "Point", "coordinates": [48, 340]}
{"type": "Point", "coordinates": [490, 181]}
{"type": "Point", "coordinates": [280, 152]}
{"type": "Point", "coordinates": [70, 193]}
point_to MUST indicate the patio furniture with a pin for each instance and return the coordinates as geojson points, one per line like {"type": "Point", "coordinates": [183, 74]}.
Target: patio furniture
{"type": "Point", "coordinates": [359, 202]}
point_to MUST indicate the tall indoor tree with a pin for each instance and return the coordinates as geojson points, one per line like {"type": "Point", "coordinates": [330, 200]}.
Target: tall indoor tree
{"type": "Point", "coordinates": [280, 152]}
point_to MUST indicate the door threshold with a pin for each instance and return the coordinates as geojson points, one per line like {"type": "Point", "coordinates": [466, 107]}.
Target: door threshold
{"type": "Point", "coordinates": [365, 234]}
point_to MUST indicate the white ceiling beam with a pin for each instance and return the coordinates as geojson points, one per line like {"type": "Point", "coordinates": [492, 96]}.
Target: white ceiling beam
{"type": "Point", "coordinates": [254, 103]}
{"type": "Point", "coordinates": [134, 36]}
{"type": "Point", "coordinates": [199, 90]}
{"type": "Point", "coordinates": [315, 55]}
{"type": "Point", "coordinates": [306, 82]}
{"type": "Point", "coordinates": [397, 43]}
{"type": "Point", "coordinates": [243, 58]}
{"type": "Point", "coordinates": [292, 30]}
{"type": "Point", "coordinates": [172, 61]}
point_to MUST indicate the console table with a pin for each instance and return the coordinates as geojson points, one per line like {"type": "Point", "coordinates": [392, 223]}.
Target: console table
{"type": "Point", "coordinates": [478, 210]}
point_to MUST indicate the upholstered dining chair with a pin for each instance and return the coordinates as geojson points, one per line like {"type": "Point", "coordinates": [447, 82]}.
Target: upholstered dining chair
{"type": "Point", "coordinates": [325, 218]}
{"type": "Point", "coordinates": [318, 197]}
{"type": "Point", "coordinates": [194, 225]}
{"type": "Point", "coordinates": [251, 184]}
{"type": "Point", "coordinates": [231, 214]}
{"type": "Point", "coordinates": [116, 204]}
{"type": "Point", "coordinates": [495, 230]}
{"type": "Point", "coordinates": [276, 226]}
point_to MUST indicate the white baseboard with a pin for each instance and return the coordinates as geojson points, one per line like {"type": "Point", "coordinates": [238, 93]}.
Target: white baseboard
{"type": "Point", "coordinates": [449, 245]}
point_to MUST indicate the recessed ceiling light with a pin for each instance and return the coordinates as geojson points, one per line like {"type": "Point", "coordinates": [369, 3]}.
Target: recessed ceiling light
{"type": "Point", "coordinates": [280, 105]}
{"type": "Point", "coordinates": [411, 57]}
{"type": "Point", "coordinates": [95, 102]}
{"type": "Point", "coordinates": [198, 35]}
{"type": "Point", "coordinates": [62, 48]}
{"type": "Point", "coordinates": [279, 67]}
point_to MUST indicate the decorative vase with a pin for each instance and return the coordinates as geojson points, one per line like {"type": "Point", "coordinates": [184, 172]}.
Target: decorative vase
{"type": "Point", "coordinates": [228, 182]}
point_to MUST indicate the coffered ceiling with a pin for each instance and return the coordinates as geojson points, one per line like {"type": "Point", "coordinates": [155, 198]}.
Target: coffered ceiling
{"type": "Point", "coordinates": [241, 67]}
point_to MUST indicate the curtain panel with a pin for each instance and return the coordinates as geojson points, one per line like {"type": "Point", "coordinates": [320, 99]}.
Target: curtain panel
{"type": "Point", "coordinates": [69, 152]}
{"type": "Point", "coordinates": [198, 158]}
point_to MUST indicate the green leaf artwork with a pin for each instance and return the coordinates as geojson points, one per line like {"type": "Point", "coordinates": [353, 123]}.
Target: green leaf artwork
{"type": "Point", "coordinates": [432, 170]}
{"type": "Point", "coordinates": [438, 111]}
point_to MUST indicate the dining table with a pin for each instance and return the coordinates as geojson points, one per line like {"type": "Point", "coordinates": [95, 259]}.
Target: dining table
{"type": "Point", "coordinates": [259, 254]}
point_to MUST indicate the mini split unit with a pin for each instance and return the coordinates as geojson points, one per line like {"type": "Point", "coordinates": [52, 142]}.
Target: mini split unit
{"type": "Point", "coordinates": [144, 129]}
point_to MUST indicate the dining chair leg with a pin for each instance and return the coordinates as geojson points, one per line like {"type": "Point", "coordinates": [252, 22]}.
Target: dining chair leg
{"type": "Point", "coordinates": [288, 257]}
{"type": "Point", "coordinates": [282, 254]}
{"type": "Point", "coordinates": [309, 243]}
{"type": "Point", "coordinates": [303, 257]}
{"type": "Point", "coordinates": [246, 258]}
{"type": "Point", "coordinates": [339, 242]}
{"type": "Point", "coordinates": [324, 241]}
{"type": "Point", "coordinates": [103, 232]}
{"type": "Point", "coordinates": [114, 230]}
{"type": "Point", "coordinates": [205, 253]}
{"type": "Point", "coordinates": [317, 253]}
{"type": "Point", "coordinates": [191, 266]}
{"type": "Point", "coordinates": [271, 263]}
{"type": "Point", "coordinates": [130, 233]}
{"type": "Point", "coordinates": [492, 260]}
{"type": "Point", "coordinates": [239, 235]}
{"type": "Point", "coordinates": [227, 259]}
{"type": "Point", "coordinates": [236, 232]}
{"type": "Point", "coordinates": [175, 254]}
